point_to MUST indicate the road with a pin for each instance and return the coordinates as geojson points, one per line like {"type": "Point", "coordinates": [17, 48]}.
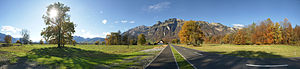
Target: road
{"type": "Point", "coordinates": [165, 60]}
{"type": "Point", "coordinates": [205, 60]}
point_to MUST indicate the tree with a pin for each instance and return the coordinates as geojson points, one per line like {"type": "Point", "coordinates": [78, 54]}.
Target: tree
{"type": "Point", "coordinates": [240, 38]}
{"type": "Point", "coordinates": [175, 41]}
{"type": "Point", "coordinates": [7, 39]}
{"type": "Point", "coordinates": [278, 34]}
{"type": "Point", "coordinates": [191, 33]}
{"type": "Point", "coordinates": [125, 40]}
{"type": "Point", "coordinates": [59, 27]}
{"type": "Point", "coordinates": [41, 42]}
{"type": "Point", "coordinates": [97, 43]}
{"type": "Point", "coordinates": [18, 41]}
{"type": "Point", "coordinates": [25, 36]}
{"type": "Point", "coordinates": [287, 31]}
{"type": "Point", "coordinates": [73, 42]}
{"type": "Point", "coordinates": [297, 35]}
{"type": "Point", "coordinates": [141, 39]}
{"type": "Point", "coordinates": [226, 39]}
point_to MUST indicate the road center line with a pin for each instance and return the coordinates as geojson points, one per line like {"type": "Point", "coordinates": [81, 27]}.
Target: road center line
{"type": "Point", "coordinates": [252, 65]}
{"type": "Point", "coordinates": [198, 53]}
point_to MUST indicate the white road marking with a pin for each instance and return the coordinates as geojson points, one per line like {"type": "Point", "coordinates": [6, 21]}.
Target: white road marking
{"type": "Point", "coordinates": [252, 65]}
{"type": "Point", "coordinates": [155, 57]}
{"type": "Point", "coordinates": [184, 57]}
{"type": "Point", "coordinates": [198, 53]}
{"type": "Point", "coordinates": [174, 57]}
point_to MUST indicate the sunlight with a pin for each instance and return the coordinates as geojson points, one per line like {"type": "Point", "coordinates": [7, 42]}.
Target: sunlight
{"type": "Point", "coordinates": [53, 13]}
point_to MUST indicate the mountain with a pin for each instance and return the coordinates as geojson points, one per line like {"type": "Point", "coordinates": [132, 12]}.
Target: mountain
{"type": "Point", "coordinates": [2, 36]}
{"type": "Point", "coordinates": [170, 28]}
{"type": "Point", "coordinates": [79, 39]}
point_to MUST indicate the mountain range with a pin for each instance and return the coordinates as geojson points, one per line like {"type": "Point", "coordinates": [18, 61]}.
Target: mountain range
{"type": "Point", "coordinates": [76, 38]}
{"type": "Point", "coordinates": [165, 30]}
{"type": "Point", "coordinates": [170, 28]}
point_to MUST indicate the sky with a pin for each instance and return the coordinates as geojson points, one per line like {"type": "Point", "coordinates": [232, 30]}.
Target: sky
{"type": "Point", "coordinates": [96, 18]}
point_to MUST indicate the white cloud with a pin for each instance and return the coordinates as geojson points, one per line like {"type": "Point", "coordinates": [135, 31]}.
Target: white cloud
{"type": "Point", "coordinates": [159, 6]}
{"type": "Point", "coordinates": [124, 21]}
{"type": "Point", "coordinates": [9, 30]}
{"type": "Point", "coordinates": [238, 25]}
{"type": "Point", "coordinates": [116, 21]}
{"type": "Point", "coordinates": [104, 34]}
{"type": "Point", "coordinates": [131, 21]}
{"type": "Point", "coordinates": [104, 21]}
{"type": "Point", "coordinates": [86, 34]}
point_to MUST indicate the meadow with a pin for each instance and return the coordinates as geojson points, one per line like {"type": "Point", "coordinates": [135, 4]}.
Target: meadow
{"type": "Point", "coordinates": [251, 51]}
{"type": "Point", "coordinates": [79, 56]}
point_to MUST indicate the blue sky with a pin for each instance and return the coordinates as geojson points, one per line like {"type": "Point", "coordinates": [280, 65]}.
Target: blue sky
{"type": "Point", "coordinates": [95, 18]}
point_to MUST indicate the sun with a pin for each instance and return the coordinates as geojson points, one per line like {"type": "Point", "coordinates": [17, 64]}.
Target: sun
{"type": "Point", "coordinates": [53, 13]}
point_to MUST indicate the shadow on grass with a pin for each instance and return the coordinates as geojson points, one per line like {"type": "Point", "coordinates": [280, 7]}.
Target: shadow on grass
{"type": "Point", "coordinates": [254, 54]}
{"type": "Point", "coordinates": [69, 57]}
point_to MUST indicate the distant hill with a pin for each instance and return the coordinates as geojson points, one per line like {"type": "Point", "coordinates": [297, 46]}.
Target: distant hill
{"type": "Point", "coordinates": [170, 28]}
{"type": "Point", "coordinates": [88, 40]}
{"type": "Point", "coordinates": [2, 36]}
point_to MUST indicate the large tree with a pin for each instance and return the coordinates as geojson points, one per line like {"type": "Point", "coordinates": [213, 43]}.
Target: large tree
{"type": "Point", "coordinates": [59, 27]}
{"type": "Point", "coordinates": [141, 39]}
{"type": "Point", "coordinates": [8, 39]}
{"type": "Point", "coordinates": [191, 33]}
{"type": "Point", "coordinates": [25, 36]}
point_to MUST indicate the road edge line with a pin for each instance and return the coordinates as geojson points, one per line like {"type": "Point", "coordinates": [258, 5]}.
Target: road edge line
{"type": "Point", "coordinates": [185, 58]}
{"type": "Point", "coordinates": [174, 56]}
{"type": "Point", "coordinates": [154, 58]}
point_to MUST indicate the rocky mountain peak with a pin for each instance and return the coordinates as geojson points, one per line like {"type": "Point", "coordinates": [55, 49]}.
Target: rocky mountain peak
{"type": "Point", "coordinates": [170, 28]}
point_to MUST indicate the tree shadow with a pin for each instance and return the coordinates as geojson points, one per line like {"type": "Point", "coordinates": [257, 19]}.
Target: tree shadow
{"type": "Point", "coordinates": [254, 54]}
{"type": "Point", "coordinates": [70, 57]}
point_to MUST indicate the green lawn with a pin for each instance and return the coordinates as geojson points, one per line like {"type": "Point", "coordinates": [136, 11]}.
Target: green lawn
{"type": "Point", "coordinates": [253, 51]}
{"type": "Point", "coordinates": [180, 60]}
{"type": "Point", "coordinates": [79, 56]}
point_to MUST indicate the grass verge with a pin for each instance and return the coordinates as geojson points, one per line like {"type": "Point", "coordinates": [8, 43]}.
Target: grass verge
{"type": "Point", "coordinates": [251, 51]}
{"type": "Point", "coordinates": [79, 56]}
{"type": "Point", "coordinates": [180, 60]}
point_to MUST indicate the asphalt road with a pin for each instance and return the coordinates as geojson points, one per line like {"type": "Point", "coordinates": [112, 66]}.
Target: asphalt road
{"type": "Point", "coordinates": [205, 60]}
{"type": "Point", "coordinates": [165, 60]}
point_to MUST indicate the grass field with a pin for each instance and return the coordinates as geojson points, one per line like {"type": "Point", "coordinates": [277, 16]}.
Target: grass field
{"type": "Point", "coordinates": [180, 60]}
{"type": "Point", "coordinates": [79, 56]}
{"type": "Point", "coordinates": [252, 51]}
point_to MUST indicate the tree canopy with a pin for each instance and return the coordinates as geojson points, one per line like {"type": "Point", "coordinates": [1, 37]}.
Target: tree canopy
{"type": "Point", "coordinates": [59, 27]}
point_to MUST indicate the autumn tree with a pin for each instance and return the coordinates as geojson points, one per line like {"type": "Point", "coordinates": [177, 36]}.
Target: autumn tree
{"type": "Point", "coordinates": [191, 33]}
{"type": "Point", "coordinates": [59, 27]}
{"type": "Point", "coordinates": [297, 35]}
{"type": "Point", "coordinates": [141, 39]}
{"type": "Point", "coordinates": [240, 37]}
{"type": "Point", "coordinates": [7, 39]}
{"type": "Point", "coordinates": [287, 31]}
{"type": "Point", "coordinates": [97, 43]}
{"type": "Point", "coordinates": [277, 34]}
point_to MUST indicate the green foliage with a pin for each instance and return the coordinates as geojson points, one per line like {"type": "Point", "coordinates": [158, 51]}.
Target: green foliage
{"type": "Point", "coordinates": [7, 39]}
{"type": "Point", "coordinates": [59, 29]}
{"type": "Point", "coordinates": [141, 39]}
{"type": "Point", "coordinates": [25, 36]}
{"type": "Point", "coordinates": [41, 42]}
{"type": "Point", "coordinates": [175, 41]}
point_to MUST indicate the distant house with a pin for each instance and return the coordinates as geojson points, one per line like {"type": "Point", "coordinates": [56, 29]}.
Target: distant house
{"type": "Point", "coordinates": [160, 42]}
